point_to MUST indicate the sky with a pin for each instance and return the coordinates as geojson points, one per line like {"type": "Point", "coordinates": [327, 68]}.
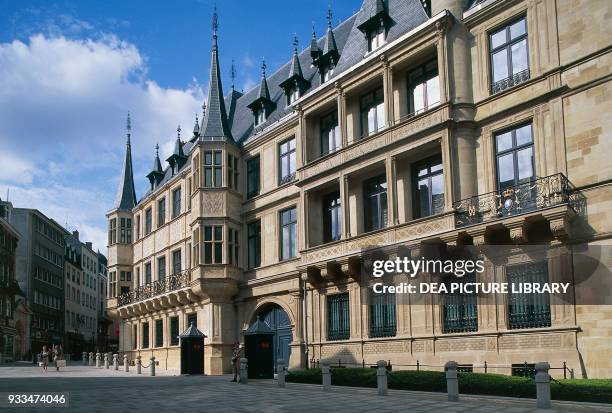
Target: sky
{"type": "Point", "coordinates": [71, 70]}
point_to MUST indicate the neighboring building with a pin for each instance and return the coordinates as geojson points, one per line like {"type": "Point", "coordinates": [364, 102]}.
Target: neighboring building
{"type": "Point", "coordinates": [40, 274]}
{"type": "Point", "coordinates": [108, 328]}
{"type": "Point", "coordinates": [410, 123]}
{"type": "Point", "coordinates": [75, 342]}
{"type": "Point", "coordinates": [10, 339]}
{"type": "Point", "coordinates": [90, 302]}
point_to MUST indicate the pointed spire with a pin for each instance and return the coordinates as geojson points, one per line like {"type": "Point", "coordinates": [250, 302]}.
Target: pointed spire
{"type": "Point", "coordinates": [215, 125]}
{"type": "Point", "coordinates": [178, 158]}
{"type": "Point", "coordinates": [196, 127]}
{"type": "Point", "coordinates": [295, 76]}
{"type": "Point", "coordinates": [330, 41]}
{"type": "Point", "coordinates": [233, 74]}
{"type": "Point", "coordinates": [126, 194]}
{"type": "Point", "coordinates": [156, 162]}
{"type": "Point", "coordinates": [296, 69]}
{"type": "Point", "coordinates": [314, 45]}
{"type": "Point", "coordinates": [264, 92]}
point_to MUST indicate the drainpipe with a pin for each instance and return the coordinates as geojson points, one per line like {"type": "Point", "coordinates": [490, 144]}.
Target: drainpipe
{"type": "Point", "coordinates": [304, 321]}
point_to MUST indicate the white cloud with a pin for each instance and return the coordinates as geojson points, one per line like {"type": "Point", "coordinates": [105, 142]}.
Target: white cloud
{"type": "Point", "coordinates": [63, 104]}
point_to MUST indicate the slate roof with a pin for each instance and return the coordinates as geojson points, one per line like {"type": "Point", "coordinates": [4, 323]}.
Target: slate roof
{"type": "Point", "coordinates": [258, 327]}
{"type": "Point", "coordinates": [228, 117]}
{"type": "Point", "coordinates": [192, 331]}
{"type": "Point", "coordinates": [126, 194]}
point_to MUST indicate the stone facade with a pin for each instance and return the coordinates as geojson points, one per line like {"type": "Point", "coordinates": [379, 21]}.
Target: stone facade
{"type": "Point", "coordinates": [562, 94]}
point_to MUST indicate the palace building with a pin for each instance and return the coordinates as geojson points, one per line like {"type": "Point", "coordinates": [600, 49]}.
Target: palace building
{"type": "Point", "coordinates": [411, 123]}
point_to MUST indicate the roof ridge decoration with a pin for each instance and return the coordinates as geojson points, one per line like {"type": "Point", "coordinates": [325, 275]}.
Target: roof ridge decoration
{"type": "Point", "coordinates": [295, 77]}
{"type": "Point", "coordinates": [327, 57]}
{"type": "Point", "coordinates": [157, 174]}
{"type": "Point", "coordinates": [215, 125]}
{"type": "Point", "coordinates": [178, 158]}
{"type": "Point", "coordinates": [126, 193]}
{"type": "Point", "coordinates": [262, 101]}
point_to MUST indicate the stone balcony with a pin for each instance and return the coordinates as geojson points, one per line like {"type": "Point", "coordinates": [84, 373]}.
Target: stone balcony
{"type": "Point", "coordinates": [177, 289]}
{"type": "Point", "coordinates": [550, 201]}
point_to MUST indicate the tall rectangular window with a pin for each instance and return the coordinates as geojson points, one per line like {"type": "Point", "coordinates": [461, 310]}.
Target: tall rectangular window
{"type": "Point", "coordinates": [288, 224]}
{"type": "Point", "coordinates": [129, 230]}
{"type": "Point", "coordinates": [252, 177]}
{"type": "Point", "coordinates": [174, 331]}
{"type": "Point", "coordinates": [233, 247]}
{"type": "Point", "coordinates": [135, 337]}
{"type": "Point", "coordinates": [112, 231]}
{"type": "Point", "coordinates": [383, 321]}
{"type": "Point", "coordinates": [428, 184]}
{"type": "Point", "coordinates": [122, 228]}
{"type": "Point", "coordinates": [213, 163]}
{"type": "Point", "coordinates": [375, 203]}
{"type": "Point", "coordinates": [137, 227]}
{"type": "Point", "coordinates": [459, 311]}
{"type": "Point", "coordinates": [528, 310]}
{"type": "Point", "coordinates": [287, 161]}
{"type": "Point", "coordinates": [145, 335]}
{"type": "Point", "coordinates": [423, 88]}
{"type": "Point", "coordinates": [514, 157]}
{"type": "Point", "coordinates": [159, 333]}
{"type": "Point", "coordinates": [330, 133]}
{"type": "Point", "coordinates": [338, 325]}
{"type": "Point", "coordinates": [376, 38]}
{"type": "Point", "coordinates": [332, 217]}
{"type": "Point", "coordinates": [176, 261]}
{"type": "Point", "coordinates": [213, 244]}
{"type": "Point", "coordinates": [176, 202]}
{"type": "Point", "coordinates": [148, 221]}
{"type": "Point", "coordinates": [148, 273]}
{"type": "Point", "coordinates": [232, 171]}
{"type": "Point", "coordinates": [509, 55]}
{"type": "Point", "coordinates": [254, 244]}
{"type": "Point", "coordinates": [192, 319]}
{"type": "Point", "coordinates": [161, 212]}
{"type": "Point", "coordinates": [161, 268]}
{"type": "Point", "coordinates": [372, 108]}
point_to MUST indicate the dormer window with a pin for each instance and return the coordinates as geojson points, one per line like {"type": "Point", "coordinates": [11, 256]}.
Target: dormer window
{"type": "Point", "coordinates": [376, 38]}
{"type": "Point", "coordinates": [326, 73]}
{"type": "Point", "coordinates": [260, 116]}
{"type": "Point", "coordinates": [294, 95]}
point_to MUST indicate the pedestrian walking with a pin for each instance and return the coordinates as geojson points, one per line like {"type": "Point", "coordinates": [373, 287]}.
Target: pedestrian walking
{"type": "Point", "coordinates": [44, 358]}
{"type": "Point", "coordinates": [235, 360]}
{"type": "Point", "coordinates": [58, 356]}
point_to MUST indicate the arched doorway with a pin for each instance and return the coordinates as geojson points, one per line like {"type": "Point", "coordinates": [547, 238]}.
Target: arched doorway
{"type": "Point", "coordinates": [278, 320]}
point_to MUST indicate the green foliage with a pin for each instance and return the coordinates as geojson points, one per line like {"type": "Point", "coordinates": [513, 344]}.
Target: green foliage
{"type": "Point", "coordinates": [585, 390]}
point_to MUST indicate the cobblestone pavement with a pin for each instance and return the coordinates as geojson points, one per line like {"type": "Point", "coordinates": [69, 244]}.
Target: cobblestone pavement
{"type": "Point", "coordinates": [100, 390]}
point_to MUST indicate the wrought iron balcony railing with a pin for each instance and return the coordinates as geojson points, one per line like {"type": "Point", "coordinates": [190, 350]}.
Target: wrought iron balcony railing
{"type": "Point", "coordinates": [508, 82]}
{"type": "Point", "coordinates": [538, 193]}
{"type": "Point", "coordinates": [170, 283]}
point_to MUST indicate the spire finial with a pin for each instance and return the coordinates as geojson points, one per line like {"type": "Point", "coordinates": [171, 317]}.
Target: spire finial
{"type": "Point", "coordinates": [215, 22]}
{"type": "Point", "coordinates": [203, 110]}
{"type": "Point", "coordinates": [178, 132]}
{"type": "Point", "coordinates": [329, 16]}
{"type": "Point", "coordinates": [295, 43]}
{"type": "Point", "coordinates": [157, 149]}
{"type": "Point", "coordinates": [263, 67]}
{"type": "Point", "coordinates": [314, 33]}
{"type": "Point", "coordinates": [233, 73]}
{"type": "Point", "coordinates": [129, 128]}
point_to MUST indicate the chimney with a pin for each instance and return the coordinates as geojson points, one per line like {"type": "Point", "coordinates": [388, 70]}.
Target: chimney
{"type": "Point", "coordinates": [75, 234]}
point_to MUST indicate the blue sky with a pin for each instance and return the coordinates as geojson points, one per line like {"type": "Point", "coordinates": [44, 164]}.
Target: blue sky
{"type": "Point", "coordinates": [70, 71]}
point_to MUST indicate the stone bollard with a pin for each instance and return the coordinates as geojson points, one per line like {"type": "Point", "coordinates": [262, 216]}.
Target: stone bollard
{"type": "Point", "coordinates": [244, 373]}
{"type": "Point", "coordinates": [452, 382]}
{"type": "Point", "coordinates": [106, 365]}
{"type": "Point", "coordinates": [326, 376]}
{"type": "Point", "coordinates": [126, 365]}
{"type": "Point", "coordinates": [138, 366]}
{"type": "Point", "coordinates": [84, 358]}
{"type": "Point", "coordinates": [280, 367]}
{"type": "Point", "coordinates": [97, 360]}
{"type": "Point", "coordinates": [381, 377]}
{"type": "Point", "coordinates": [542, 379]}
{"type": "Point", "coordinates": [116, 361]}
{"type": "Point", "coordinates": [152, 365]}
{"type": "Point", "coordinates": [91, 359]}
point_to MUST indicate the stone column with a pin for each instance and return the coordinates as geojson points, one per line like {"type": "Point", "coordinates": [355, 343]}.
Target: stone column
{"type": "Point", "coordinates": [106, 365]}
{"type": "Point", "coordinates": [346, 208]}
{"type": "Point", "coordinates": [244, 373]}
{"type": "Point", "coordinates": [542, 379]}
{"type": "Point", "coordinates": [152, 365]}
{"type": "Point", "coordinates": [381, 377]}
{"type": "Point", "coordinates": [126, 364]}
{"type": "Point", "coordinates": [326, 376]}
{"type": "Point", "coordinates": [387, 90]}
{"type": "Point", "coordinates": [138, 365]}
{"type": "Point", "coordinates": [391, 191]}
{"type": "Point", "coordinates": [280, 367]}
{"type": "Point", "coordinates": [341, 98]}
{"type": "Point", "coordinates": [91, 359]}
{"type": "Point", "coordinates": [452, 382]}
{"type": "Point", "coordinates": [98, 356]}
{"type": "Point", "coordinates": [116, 361]}
{"type": "Point", "coordinates": [301, 145]}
